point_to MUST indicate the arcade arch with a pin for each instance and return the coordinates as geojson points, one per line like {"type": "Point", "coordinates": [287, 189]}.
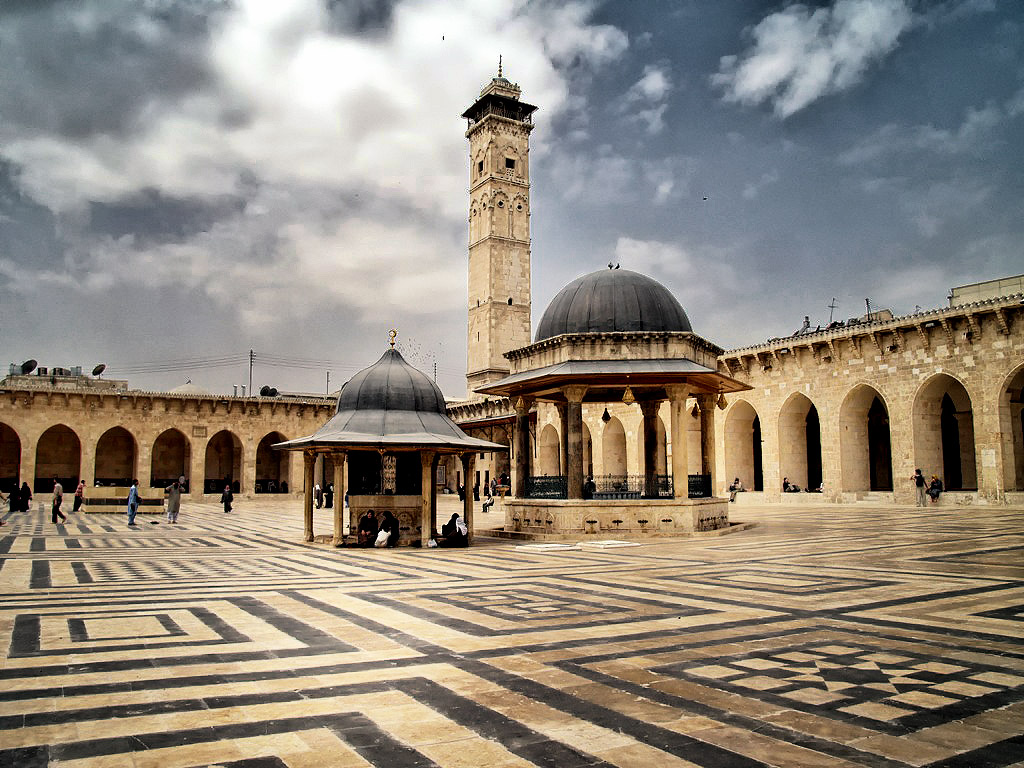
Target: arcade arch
{"type": "Point", "coordinates": [944, 432]}
{"type": "Point", "coordinates": [271, 465]}
{"type": "Point", "coordinates": [588, 452]}
{"type": "Point", "coordinates": [549, 453]}
{"type": "Point", "coordinates": [58, 453]}
{"type": "Point", "coordinates": [661, 448]}
{"type": "Point", "coordinates": [743, 446]}
{"type": "Point", "coordinates": [864, 441]}
{"type": "Point", "coordinates": [223, 462]}
{"type": "Point", "coordinates": [115, 458]}
{"type": "Point", "coordinates": [613, 448]}
{"type": "Point", "coordinates": [10, 459]}
{"type": "Point", "coordinates": [1011, 427]}
{"type": "Point", "coordinates": [172, 456]}
{"type": "Point", "coordinates": [800, 442]}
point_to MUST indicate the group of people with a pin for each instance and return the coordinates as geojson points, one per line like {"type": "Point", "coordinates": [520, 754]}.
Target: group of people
{"type": "Point", "coordinates": [323, 497]}
{"type": "Point", "coordinates": [931, 489]}
{"type": "Point", "coordinates": [386, 531]}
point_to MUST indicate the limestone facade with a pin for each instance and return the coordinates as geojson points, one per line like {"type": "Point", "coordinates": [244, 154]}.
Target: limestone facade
{"type": "Point", "coordinates": [110, 436]}
{"type": "Point", "coordinates": [938, 390]}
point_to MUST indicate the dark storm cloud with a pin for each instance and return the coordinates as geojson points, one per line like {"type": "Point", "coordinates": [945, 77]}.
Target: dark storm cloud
{"type": "Point", "coordinates": [360, 16]}
{"type": "Point", "coordinates": [79, 69]}
{"type": "Point", "coordinates": [28, 230]}
{"type": "Point", "coordinates": [152, 217]}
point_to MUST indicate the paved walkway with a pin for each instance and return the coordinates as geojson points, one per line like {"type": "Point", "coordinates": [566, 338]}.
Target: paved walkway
{"type": "Point", "coordinates": [825, 636]}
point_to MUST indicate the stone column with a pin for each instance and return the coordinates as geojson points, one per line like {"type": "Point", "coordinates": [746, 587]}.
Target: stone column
{"type": "Point", "coordinates": [433, 493]}
{"type": "Point", "coordinates": [309, 461]}
{"type": "Point", "coordinates": [677, 394]}
{"type": "Point", "coordinates": [339, 497]}
{"type": "Point", "coordinates": [143, 463]}
{"type": "Point", "coordinates": [706, 403]}
{"type": "Point", "coordinates": [521, 438]}
{"type": "Point", "coordinates": [247, 482]}
{"type": "Point", "coordinates": [563, 442]}
{"type": "Point", "coordinates": [27, 472]}
{"type": "Point", "coordinates": [574, 440]}
{"type": "Point", "coordinates": [649, 409]}
{"type": "Point", "coordinates": [468, 468]}
{"type": "Point", "coordinates": [197, 478]}
{"type": "Point", "coordinates": [426, 496]}
{"type": "Point", "coordinates": [87, 464]}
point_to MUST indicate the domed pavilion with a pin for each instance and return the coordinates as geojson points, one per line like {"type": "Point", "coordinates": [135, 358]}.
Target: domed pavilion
{"type": "Point", "coordinates": [389, 431]}
{"type": "Point", "coordinates": [620, 338]}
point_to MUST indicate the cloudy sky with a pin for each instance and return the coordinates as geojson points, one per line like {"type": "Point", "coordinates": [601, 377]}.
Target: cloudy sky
{"type": "Point", "coordinates": [182, 181]}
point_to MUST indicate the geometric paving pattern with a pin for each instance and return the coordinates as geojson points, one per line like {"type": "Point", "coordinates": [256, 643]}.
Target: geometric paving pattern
{"type": "Point", "coordinates": [822, 636]}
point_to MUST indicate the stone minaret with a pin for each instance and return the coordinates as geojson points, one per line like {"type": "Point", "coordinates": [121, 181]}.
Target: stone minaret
{"type": "Point", "coordinates": [499, 229]}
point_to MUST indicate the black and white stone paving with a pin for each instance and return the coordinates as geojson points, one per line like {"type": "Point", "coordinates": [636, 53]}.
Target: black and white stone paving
{"type": "Point", "coordinates": [822, 636]}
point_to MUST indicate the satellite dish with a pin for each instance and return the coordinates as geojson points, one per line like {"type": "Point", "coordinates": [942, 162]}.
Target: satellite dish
{"type": "Point", "coordinates": [99, 369]}
{"type": "Point", "coordinates": [28, 366]}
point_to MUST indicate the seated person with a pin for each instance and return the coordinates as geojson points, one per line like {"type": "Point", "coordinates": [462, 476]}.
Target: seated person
{"type": "Point", "coordinates": [389, 525]}
{"type": "Point", "coordinates": [788, 487]}
{"type": "Point", "coordinates": [935, 488]}
{"type": "Point", "coordinates": [454, 533]}
{"type": "Point", "coordinates": [367, 530]}
{"type": "Point", "coordinates": [735, 488]}
{"type": "Point", "coordinates": [589, 488]}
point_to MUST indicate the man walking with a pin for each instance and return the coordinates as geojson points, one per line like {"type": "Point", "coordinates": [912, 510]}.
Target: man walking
{"type": "Point", "coordinates": [920, 486]}
{"type": "Point", "coordinates": [133, 502]}
{"type": "Point", "coordinates": [58, 499]}
{"type": "Point", "coordinates": [173, 501]}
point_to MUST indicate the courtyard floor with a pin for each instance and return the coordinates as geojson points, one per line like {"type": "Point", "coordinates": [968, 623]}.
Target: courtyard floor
{"type": "Point", "coordinates": [824, 636]}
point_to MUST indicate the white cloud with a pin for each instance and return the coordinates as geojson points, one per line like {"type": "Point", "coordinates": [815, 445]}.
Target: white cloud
{"type": "Point", "coordinates": [651, 256]}
{"type": "Point", "coordinates": [325, 115]}
{"type": "Point", "coordinates": [753, 188]}
{"type": "Point", "coordinates": [800, 55]}
{"type": "Point", "coordinates": [644, 102]}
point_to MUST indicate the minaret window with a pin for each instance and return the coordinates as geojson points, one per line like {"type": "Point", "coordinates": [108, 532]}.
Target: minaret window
{"type": "Point", "coordinates": [510, 164]}
{"type": "Point", "coordinates": [501, 203]}
{"type": "Point", "coordinates": [479, 167]}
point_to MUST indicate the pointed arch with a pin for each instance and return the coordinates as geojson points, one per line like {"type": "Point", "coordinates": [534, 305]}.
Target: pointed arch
{"type": "Point", "coordinates": [223, 464]}
{"type": "Point", "coordinates": [172, 457]}
{"type": "Point", "coordinates": [115, 458]}
{"type": "Point", "coordinates": [800, 442]}
{"type": "Point", "coordinates": [943, 419]}
{"type": "Point", "coordinates": [1010, 404]}
{"type": "Point", "coordinates": [743, 445]}
{"type": "Point", "coordinates": [58, 453]}
{"type": "Point", "coordinates": [864, 441]}
{"type": "Point", "coordinates": [588, 452]}
{"type": "Point", "coordinates": [550, 454]}
{"type": "Point", "coordinates": [10, 459]}
{"type": "Point", "coordinates": [613, 448]}
{"type": "Point", "coordinates": [272, 466]}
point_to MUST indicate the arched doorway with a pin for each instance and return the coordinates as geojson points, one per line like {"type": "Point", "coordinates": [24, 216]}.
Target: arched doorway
{"type": "Point", "coordinates": [743, 446]}
{"type": "Point", "coordinates": [10, 459]}
{"type": "Point", "coordinates": [115, 458]}
{"type": "Point", "coordinates": [58, 453]}
{"type": "Point", "coordinates": [223, 462]}
{"type": "Point", "coordinates": [549, 459]}
{"type": "Point", "coordinates": [172, 456]}
{"type": "Point", "coordinates": [800, 442]}
{"type": "Point", "coordinates": [613, 448]}
{"type": "Point", "coordinates": [271, 465]}
{"type": "Point", "coordinates": [944, 432]}
{"type": "Point", "coordinates": [1011, 427]}
{"type": "Point", "coordinates": [864, 443]}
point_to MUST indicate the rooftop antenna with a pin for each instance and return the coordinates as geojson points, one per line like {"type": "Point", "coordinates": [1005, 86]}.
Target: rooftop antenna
{"type": "Point", "coordinates": [832, 309]}
{"type": "Point", "coordinates": [499, 65]}
{"type": "Point", "coordinates": [867, 303]}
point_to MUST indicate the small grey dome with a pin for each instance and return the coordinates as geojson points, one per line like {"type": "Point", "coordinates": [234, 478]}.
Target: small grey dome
{"type": "Point", "coordinates": [391, 384]}
{"type": "Point", "coordinates": [612, 300]}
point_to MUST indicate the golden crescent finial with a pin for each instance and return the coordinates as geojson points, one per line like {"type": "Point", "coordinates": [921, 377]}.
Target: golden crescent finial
{"type": "Point", "coordinates": [499, 65]}
{"type": "Point", "coordinates": [393, 334]}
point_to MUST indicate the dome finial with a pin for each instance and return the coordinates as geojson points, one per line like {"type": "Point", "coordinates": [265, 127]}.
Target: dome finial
{"type": "Point", "coordinates": [393, 334]}
{"type": "Point", "coordinates": [499, 65]}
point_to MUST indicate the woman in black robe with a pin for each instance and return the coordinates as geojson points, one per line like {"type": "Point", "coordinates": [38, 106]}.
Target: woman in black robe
{"type": "Point", "coordinates": [25, 497]}
{"type": "Point", "coordinates": [367, 530]}
{"type": "Point", "coordinates": [389, 523]}
{"type": "Point", "coordinates": [454, 533]}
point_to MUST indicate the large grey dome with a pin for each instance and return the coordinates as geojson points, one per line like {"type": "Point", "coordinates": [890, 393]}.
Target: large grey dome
{"type": "Point", "coordinates": [612, 300]}
{"type": "Point", "coordinates": [391, 384]}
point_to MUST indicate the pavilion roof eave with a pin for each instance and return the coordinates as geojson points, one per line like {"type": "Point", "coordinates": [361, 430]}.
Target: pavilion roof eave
{"type": "Point", "coordinates": [603, 374]}
{"type": "Point", "coordinates": [409, 442]}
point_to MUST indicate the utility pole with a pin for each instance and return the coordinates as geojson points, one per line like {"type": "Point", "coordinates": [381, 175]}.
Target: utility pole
{"type": "Point", "coordinates": [252, 356]}
{"type": "Point", "coordinates": [328, 382]}
{"type": "Point", "coordinates": [832, 309]}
